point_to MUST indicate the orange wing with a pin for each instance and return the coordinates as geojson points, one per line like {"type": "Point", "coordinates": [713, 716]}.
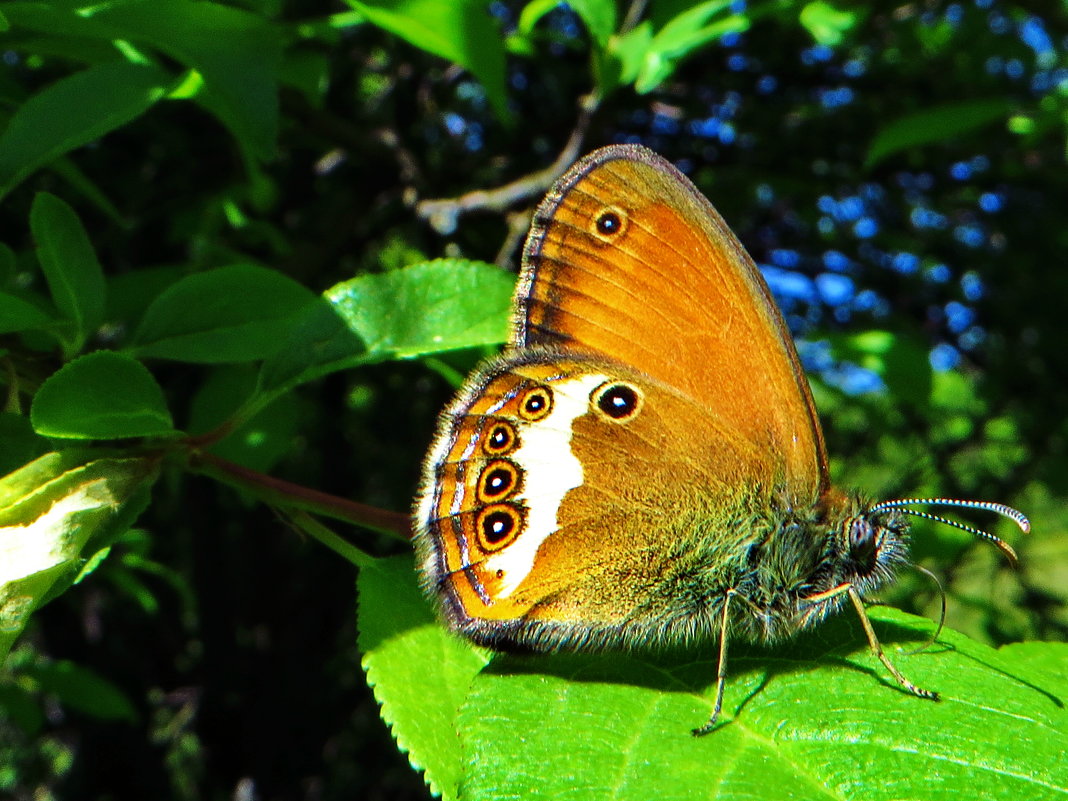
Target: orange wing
{"type": "Point", "coordinates": [627, 260]}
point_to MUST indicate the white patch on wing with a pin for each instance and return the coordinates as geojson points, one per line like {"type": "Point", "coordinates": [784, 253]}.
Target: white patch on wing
{"type": "Point", "coordinates": [550, 470]}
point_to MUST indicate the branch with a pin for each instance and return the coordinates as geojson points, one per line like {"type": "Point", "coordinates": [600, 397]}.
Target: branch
{"type": "Point", "coordinates": [443, 214]}
{"type": "Point", "coordinates": [293, 496]}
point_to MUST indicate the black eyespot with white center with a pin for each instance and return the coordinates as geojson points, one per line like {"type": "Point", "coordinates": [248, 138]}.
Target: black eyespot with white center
{"type": "Point", "coordinates": [617, 401]}
{"type": "Point", "coordinates": [536, 404]}
{"type": "Point", "coordinates": [500, 439]}
{"type": "Point", "coordinates": [608, 224]}
{"type": "Point", "coordinates": [497, 526]}
{"type": "Point", "coordinates": [498, 480]}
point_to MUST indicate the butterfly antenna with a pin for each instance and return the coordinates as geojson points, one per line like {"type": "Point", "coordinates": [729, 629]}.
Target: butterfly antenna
{"type": "Point", "coordinates": [941, 617]}
{"type": "Point", "coordinates": [1016, 516]}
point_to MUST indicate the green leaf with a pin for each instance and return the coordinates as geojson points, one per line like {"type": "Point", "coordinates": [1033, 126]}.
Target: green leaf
{"type": "Point", "coordinates": [418, 671]}
{"type": "Point", "coordinates": [53, 512]}
{"type": "Point", "coordinates": [320, 342]}
{"type": "Point", "coordinates": [74, 111]}
{"type": "Point", "coordinates": [462, 31]}
{"type": "Point", "coordinates": [630, 49]}
{"type": "Point", "coordinates": [17, 314]}
{"type": "Point", "coordinates": [436, 306]}
{"type": "Point", "coordinates": [102, 395]}
{"type": "Point", "coordinates": [431, 307]}
{"type": "Point", "coordinates": [532, 14]}
{"type": "Point", "coordinates": [935, 125]}
{"type": "Point", "coordinates": [599, 16]}
{"type": "Point", "coordinates": [681, 36]}
{"type": "Point", "coordinates": [808, 719]}
{"type": "Point", "coordinates": [82, 689]}
{"type": "Point", "coordinates": [8, 265]}
{"type": "Point", "coordinates": [230, 314]}
{"type": "Point", "coordinates": [70, 266]}
{"type": "Point", "coordinates": [1050, 657]}
{"type": "Point", "coordinates": [236, 52]}
{"type": "Point", "coordinates": [815, 717]}
{"type": "Point", "coordinates": [21, 708]}
{"type": "Point", "coordinates": [827, 24]}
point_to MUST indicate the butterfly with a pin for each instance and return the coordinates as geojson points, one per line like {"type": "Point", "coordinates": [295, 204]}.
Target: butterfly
{"type": "Point", "coordinates": [644, 465]}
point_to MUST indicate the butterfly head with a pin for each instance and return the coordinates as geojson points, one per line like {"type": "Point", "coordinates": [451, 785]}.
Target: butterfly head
{"type": "Point", "coordinates": [874, 543]}
{"type": "Point", "coordinates": [868, 543]}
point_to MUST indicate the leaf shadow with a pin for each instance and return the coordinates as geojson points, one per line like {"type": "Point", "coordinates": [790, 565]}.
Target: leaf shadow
{"type": "Point", "coordinates": [834, 645]}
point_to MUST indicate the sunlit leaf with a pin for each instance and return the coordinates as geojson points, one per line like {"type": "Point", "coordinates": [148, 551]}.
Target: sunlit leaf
{"type": "Point", "coordinates": [426, 308]}
{"type": "Point", "coordinates": [462, 31]}
{"type": "Point", "coordinates": [827, 24]}
{"type": "Point", "coordinates": [55, 512]}
{"type": "Point", "coordinates": [681, 36]}
{"type": "Point", "coordinates": [399, 638]}
{"type": "Point", "coordinates": [815, 717]}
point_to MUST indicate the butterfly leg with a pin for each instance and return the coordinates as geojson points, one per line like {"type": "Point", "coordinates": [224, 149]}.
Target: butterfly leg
{"type": "Point", "coordinates": [721, 669]}
{"type": "Point", "coordinates": [877, 648]}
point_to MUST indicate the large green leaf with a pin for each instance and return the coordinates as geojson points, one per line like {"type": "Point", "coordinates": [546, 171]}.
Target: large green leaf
{"type": "Point", "coordinates": [238, 313]}
{"type": "Point", "coordinates": [935, 125]}
{"type": "Point", "coordinates": [397, 634]}
{"type": "Point", "coordinates": [431, 307]}
{"type": "Point", "coordinates": [74, 111]}
{"type": "Point", "coordinates": [816, 717]}
{"type": "Point", "coordinates": [462, 31]}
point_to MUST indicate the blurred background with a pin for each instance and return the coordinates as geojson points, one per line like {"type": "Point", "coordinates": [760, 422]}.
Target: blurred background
{"type": "Point", "coordinates": [897, 170]}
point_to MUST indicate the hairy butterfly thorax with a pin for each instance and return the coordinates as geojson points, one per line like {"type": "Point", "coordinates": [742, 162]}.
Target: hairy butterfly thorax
{"type": "Point", "coordinates": [644, 465]}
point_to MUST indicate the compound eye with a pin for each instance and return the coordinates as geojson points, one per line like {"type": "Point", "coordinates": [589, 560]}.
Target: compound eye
{"type": "Point", "coordinates": [862, 542]}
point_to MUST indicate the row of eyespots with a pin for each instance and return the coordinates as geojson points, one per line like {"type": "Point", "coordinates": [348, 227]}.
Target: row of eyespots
{"type": "Point", "coordinates": [535, 404]}
{"type": "Point", "coordinates": [498, 524]}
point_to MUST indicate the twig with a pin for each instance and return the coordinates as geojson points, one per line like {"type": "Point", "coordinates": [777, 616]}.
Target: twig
{"type": "Point", "coordinates": [518, 224]}
{"type": "Point", "coordinates": [443, 214]}
{"type": "Point", "coordinates": [287, 495]}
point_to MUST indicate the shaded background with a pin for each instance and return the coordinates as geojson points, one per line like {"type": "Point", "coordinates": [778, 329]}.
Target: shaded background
{"type": "Point", "coordinates": [897, 170]}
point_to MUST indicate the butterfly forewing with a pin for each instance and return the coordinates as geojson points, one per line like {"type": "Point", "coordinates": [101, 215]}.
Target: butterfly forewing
{"type": "Point", "coordinates": [627, 260]}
